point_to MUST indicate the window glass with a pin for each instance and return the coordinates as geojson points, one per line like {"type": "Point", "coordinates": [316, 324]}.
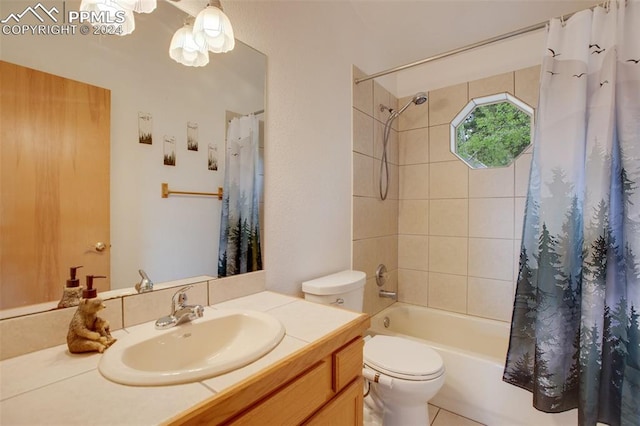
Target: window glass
{"type": "Point", "coordinates": [492, 131]}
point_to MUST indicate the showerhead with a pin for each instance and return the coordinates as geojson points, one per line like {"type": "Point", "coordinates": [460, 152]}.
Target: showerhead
{"type": "Point", "coordinates": [418, 99]}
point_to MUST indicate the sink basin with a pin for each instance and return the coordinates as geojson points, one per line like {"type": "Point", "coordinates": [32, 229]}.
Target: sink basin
{"type": "Point", "coordinates": [220, 341]}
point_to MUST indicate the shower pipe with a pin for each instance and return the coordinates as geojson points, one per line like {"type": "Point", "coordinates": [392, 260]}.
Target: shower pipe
{"type": "Point", "coordinates": [491, 40]}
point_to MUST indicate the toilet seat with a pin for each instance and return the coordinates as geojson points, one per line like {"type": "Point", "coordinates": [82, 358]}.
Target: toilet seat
{"type": "Point", "coordinates": [402, 358]}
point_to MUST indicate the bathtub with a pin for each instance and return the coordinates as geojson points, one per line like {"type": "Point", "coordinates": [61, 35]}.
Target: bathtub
{"type": "Point", "coordinates": [473, 350]}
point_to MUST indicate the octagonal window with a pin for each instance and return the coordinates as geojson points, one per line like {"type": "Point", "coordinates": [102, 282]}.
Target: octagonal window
{"type": "Point", "coordinates": [492, 131]}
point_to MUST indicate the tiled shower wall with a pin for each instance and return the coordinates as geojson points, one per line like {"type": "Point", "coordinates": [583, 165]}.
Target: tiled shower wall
{"type": "Point", "coordinates": [375, 222]}
{"type": "Point", "coordinates": [458, 229]}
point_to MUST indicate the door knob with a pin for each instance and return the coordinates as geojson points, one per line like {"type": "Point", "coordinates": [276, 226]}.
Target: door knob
{"type": "Point", "coordinates": [100, 246]}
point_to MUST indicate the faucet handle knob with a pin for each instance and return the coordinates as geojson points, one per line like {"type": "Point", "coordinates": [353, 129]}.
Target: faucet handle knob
{"type": "Point", "coordinates": [181, 295]}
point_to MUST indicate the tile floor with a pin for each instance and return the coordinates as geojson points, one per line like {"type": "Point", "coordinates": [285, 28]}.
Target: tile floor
{"type": "Point", "coordinates": [441, 417]}
{"type": "Point", "coordinates": [437, 417]}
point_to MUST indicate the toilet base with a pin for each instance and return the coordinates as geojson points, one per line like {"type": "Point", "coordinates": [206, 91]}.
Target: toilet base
{"type": "Point", "coordinates": [389, 414]}
{"type": "Point", "coordinates": [406, 415]}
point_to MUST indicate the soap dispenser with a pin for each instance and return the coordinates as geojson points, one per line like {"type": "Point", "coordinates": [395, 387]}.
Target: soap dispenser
{"type": "Point", "coordinates": [87, 331]}
{"type": "Point", "coordinates": [72, 291]}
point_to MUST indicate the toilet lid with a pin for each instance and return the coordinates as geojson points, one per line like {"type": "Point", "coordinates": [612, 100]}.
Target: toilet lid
{"type": "Point", "coordinates": [402, 358]}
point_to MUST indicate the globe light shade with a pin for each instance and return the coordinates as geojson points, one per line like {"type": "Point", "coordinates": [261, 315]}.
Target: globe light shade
{"type": "Point", "coordinates": [186, 51]}
{"type": "Point", "coordinates": [145, 6]}
{"type": "Point", "coordinates": [111, 13]}
{"type": "Point", "coordinates": [213, 27]}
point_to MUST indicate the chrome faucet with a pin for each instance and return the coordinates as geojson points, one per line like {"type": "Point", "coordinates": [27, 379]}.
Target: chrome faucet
{"type": "Point", "coordinates": [145, 284]}
{"type": "Point", "coordinates": [180, 311]}
{"type": "Point", "coordinates": [388, 294]}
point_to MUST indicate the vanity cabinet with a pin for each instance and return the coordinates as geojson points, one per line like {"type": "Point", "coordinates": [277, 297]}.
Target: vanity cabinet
{"type": "Point", "coordinates": [318, 385]}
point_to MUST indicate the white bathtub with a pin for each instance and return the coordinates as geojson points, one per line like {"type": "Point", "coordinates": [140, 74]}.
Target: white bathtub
{"type": "Point", "coordinates": [474, 351]}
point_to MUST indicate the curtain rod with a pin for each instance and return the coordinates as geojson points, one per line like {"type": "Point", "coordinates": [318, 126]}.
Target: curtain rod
{"type": "Point", "coordinates": [491, 40]}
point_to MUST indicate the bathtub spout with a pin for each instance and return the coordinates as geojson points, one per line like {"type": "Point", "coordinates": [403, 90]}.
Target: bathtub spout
{"type": "Point", "coordinates": [388, 294]}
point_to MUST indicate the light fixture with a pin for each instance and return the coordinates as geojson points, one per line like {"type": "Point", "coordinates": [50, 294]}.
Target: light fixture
{"type": "Point", "coordinates": [213, 27]}
{"type": "Point", "coordinates": [111, 12]}
{"type": "Point", "coordinates": [185, 50]}
{"type": "Point", "coordinates": [145, 6]}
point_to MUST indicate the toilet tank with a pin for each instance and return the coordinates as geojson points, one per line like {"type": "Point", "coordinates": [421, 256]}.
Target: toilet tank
{"type": "Point", "coordinates": [343, 289]}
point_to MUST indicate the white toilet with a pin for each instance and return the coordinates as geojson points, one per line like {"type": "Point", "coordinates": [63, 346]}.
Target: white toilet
{"type": "Point", "coordinates": [403, 374]}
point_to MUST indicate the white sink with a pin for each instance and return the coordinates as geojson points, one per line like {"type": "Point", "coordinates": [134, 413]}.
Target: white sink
{"type": "Point", "coordinates": [220, 341]}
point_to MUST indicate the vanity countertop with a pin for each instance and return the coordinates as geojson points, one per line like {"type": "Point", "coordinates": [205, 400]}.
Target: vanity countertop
{"type": "Point", "coordinates": [53, 386]}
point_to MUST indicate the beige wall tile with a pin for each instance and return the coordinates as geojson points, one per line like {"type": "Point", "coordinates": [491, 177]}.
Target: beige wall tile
{"type": "Point", "coordinates": [364, 255]}
{"type": "Point", "coordinates": [394, 180]}
{"type": "Point", "coordinates": [227, 288]}
{"type": "Point", "coordinates": [448, 180]}
{"type": "Point", "coordinates": [393, 103]}
{"type": "Point", "coordinates": [449, 217]}
{"type": "Point", "coordinates": [371, 252]}
{"type": "Point", "coordinates": [413, 252]}
{"type": "Point", "coordinates": [374, 218]}
{"type": "Point", "coordinates": [413, 217]}
{"type": "Point", "coordinates": [446, 103]}
{"type": "Point", "coordinates": [362, 133]}
{"type": "Point", "coordinates": [491, 217]}
{"type": "Point", "coordinates": [392, 144]}
{"type": "Point", "coordinates": [498, 182]}
{"type": "Point", "coordinates": [363, 175]}
{"type": "Point", "coordinates": [448, 255]}
{"type": "Point", "coordinates": [413, 287]}
{"type": "Point", "coordinates": [492, 85]}
{"type": "Point", "coordinates": [490, 298]}
{"type": "Point", "coordinates": [491, 258]}
{"type": "Point", "coordinates": [362, 93]}
{"type": "Point", "coordinates": [448, 292]}
{"type": "Point", "coordinates": [440, 144]}
{"type": "Point", "coordinates": [414, 146]}
{"type": "Point", "coordinates": [414, 182]}
{"type": "Point", "coordinates": [520, 204]}
{"type": "Point", "coordinates": [29, 333]}
{"type": "Point", "coordinates": [381, 96]}
{"type": "Point", "coordinates": [373, 303]}
{"type": "Point", "coordinates": [415, 116]}
{"type": "Point", "coordinates": [527, 85]}
{"type": "Point", "coordinates": [522, 170]}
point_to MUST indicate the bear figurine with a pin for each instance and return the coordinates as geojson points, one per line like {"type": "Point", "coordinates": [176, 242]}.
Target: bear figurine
{"type": "Point", "coordinates": [87, 331]}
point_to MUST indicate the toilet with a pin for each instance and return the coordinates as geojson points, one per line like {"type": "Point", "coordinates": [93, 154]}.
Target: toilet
{"type": "Point", "coordinates": [402, 374]}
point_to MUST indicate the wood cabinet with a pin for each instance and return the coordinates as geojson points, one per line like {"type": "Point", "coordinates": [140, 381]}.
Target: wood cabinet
{"type": "Point", "coordinates": [320, 384]}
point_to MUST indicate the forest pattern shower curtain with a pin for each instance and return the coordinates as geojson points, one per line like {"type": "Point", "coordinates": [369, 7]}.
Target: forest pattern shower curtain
{"type": "Point", "coordinates": [575, 333]}
{"type": "Point", "coordinates": [239, 250]}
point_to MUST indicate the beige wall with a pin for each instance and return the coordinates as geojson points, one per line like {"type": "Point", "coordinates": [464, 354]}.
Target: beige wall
{"type": "Point", "coordinates": [458, 229]}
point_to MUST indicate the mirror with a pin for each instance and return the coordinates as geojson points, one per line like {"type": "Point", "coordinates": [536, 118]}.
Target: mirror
{"type": "Point", "coordinates": [492, 131]}
{"type": "Point", "coordinates": [175, 237]}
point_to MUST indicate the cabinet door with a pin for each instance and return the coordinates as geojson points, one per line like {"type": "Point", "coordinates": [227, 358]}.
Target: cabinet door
{"type": "Point", "coordinates": [343, 410]}
{"type": "Point", "coordinates": [294, 403]}
{"type": "Point", "coordinates": [54, 175]}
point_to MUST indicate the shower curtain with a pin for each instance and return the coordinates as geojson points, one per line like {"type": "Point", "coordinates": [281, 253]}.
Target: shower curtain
{"type": "Point", "coordinates": [575, 332]}
{"type": "Point", "coordinates": [239, 250]}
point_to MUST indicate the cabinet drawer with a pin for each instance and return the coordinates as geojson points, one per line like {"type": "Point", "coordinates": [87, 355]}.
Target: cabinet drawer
{"type": "Point", "coordinates": [296, 401]}
{"type": "Point", "coordinates": [347, 364]}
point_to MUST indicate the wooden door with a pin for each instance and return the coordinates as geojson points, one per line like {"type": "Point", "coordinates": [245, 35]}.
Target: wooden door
{"type": "Point", "coordinates": [54, 183]}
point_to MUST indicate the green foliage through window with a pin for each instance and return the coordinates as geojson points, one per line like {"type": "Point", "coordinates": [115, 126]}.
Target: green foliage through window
{"type": "Point", "coordinates": [492, 135]}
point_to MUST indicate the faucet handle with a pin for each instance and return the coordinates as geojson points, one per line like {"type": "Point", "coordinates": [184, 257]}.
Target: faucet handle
{"type": "Point", "coordinates": [179, 297]}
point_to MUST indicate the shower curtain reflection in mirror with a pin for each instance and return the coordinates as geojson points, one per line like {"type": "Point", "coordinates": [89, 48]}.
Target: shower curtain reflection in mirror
{"type": "Point", "coordinates": [239, 226]}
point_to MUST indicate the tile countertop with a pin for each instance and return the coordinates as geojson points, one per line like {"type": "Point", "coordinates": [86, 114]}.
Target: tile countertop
{"type": "Point", "coordinates": [53, 386]}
